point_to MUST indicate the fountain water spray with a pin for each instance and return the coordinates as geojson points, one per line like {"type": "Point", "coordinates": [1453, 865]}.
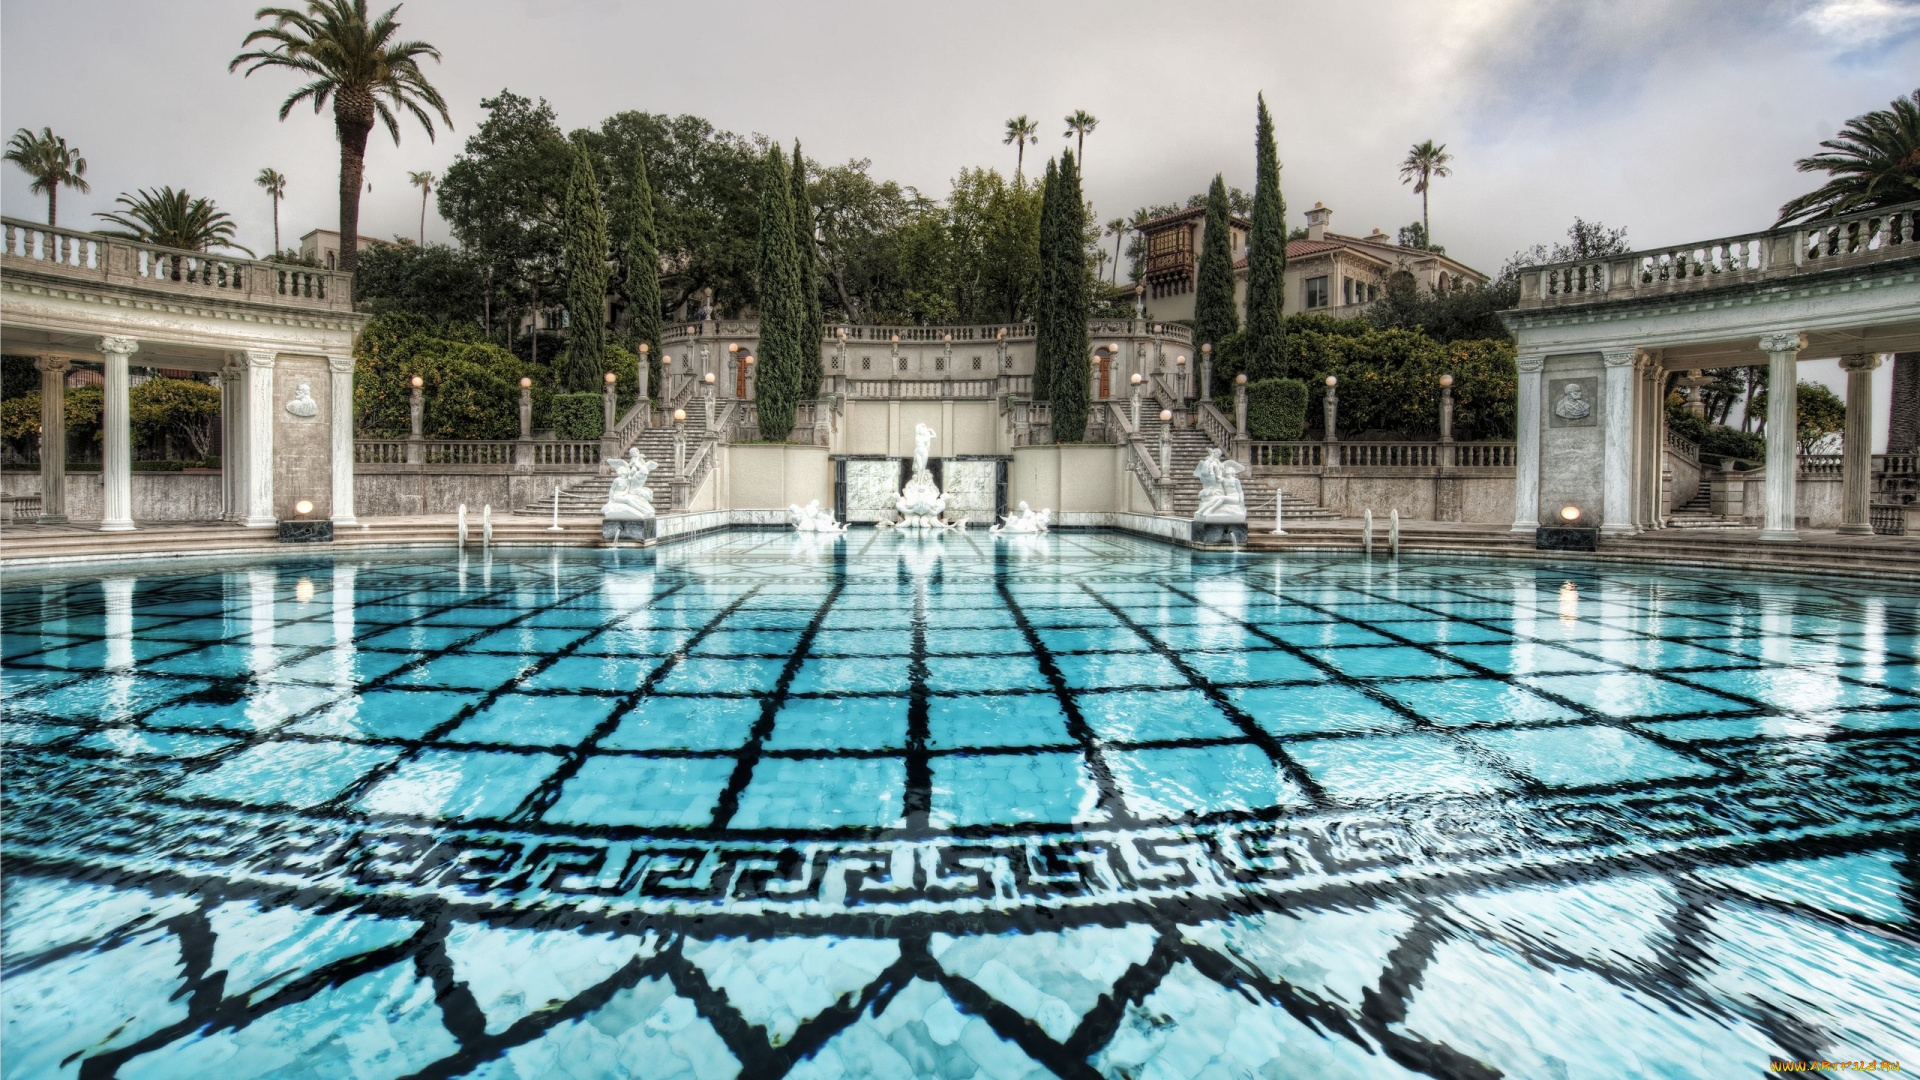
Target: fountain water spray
{"type": "Point", "coordinates": [486, 526]}
{"type": "Point", "coordinates": [1393, 531]}
{"type": "Point", "coordinates": [1366, 529]}
{"type": "Point", "coordinates": [1279, 497]}
{"type": "Point", "coordinates": [463, 526]}
{"type": "Point", "coordinates": [555, 527]}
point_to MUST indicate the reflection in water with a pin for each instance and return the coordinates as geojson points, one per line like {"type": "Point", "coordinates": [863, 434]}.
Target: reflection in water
{"type": "Point", "coordinates": [895, 804]}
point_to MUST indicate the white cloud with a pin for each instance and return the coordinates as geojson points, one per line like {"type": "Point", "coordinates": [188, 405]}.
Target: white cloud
{"type": "Point", "coordinates": [1861, 22]}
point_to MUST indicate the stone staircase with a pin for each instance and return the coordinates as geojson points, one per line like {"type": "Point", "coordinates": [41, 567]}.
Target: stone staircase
{"type": "Point", "coordinates": [1698, 513]}
{"type": "Point", "coordinates": [585, 497]}
{"type": "Point", "coordinates": [1190, 445]}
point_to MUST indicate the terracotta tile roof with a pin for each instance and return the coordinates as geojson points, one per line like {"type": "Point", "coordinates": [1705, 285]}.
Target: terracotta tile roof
{"type": "Point", "coordinates": [1189, 214]}
{"type": "Point", "coordinates": [1297, 248]}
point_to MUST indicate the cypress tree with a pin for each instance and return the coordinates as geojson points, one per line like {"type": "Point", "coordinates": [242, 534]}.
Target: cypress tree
{"type": "Point", "coordinates": [1044, 293]}
{"type": "Point", "coordinates": [815, 326]}
{"type": "Point", "coordinates": [1266, 260]}
{"type": "Point", "coordinates": [1070, 389]}
{"type": "Point", "coordinates": [782, 319]}
{"type": "Point", "coordinates": [640, 268]}
{"type": "Point", "coordinates": [1214, 316]}
{"type": "Point", "coordinates": [585, 222]}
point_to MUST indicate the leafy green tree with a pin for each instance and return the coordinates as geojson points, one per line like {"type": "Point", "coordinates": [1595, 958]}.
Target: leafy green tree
{"type": "Point", "coordinates": [1412, 235]}
{"type": "Point", "coordinates": [1266, 259]}
{"type": "Point", "coordinates": [172, 417]}
{"type": "Point", "coordinates": [275, 185]}
{"type": "Point", "coordinates": [782, 310]}
{"type": "Point", "coordinates": [586, 262]}
{"type": "Point", "coordinates": [502, 197]}
{"type": "Point", "coordinates": [638, 257]}
{"type": "Point", "coordinates": [443, 284]}
{"type": "Point", "coordinates": [354, 60]}
{"type": "Point", "coordinates": [1215, 315]}
{"type": "Point", "coordinates": [1020, 132]}
{"type": "Point", "coordinates": [1064, 302]}
{"type": "Point", "coordinates": [172, 219]}
{"type": "Point", "coordinates": [1425, 162]}
{"type": "Point", "coordinates": [813, 326]}
{"type": "Point", "coordinates": [1818, 413]}
{"type": "Point", "coordinates": [51, 162]}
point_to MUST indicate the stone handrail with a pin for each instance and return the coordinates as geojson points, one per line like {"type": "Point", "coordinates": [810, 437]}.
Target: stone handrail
{"type": "Point", "coordinates": [1820, 464]}
{"type": "Point", "coordinates": [1683, 446]}
{"type": "Point", "coordinates": [1217, 427]}
{"type": "Point", "coordinates": [919, 389]}
{"type": "Point", "coordinates": [1848, 240]}
{"type": "Point", "coordinates": [750, 328]}
{"type": "Point", "coordinates": [744, 426]}
{"type": "Point", "coordinates": [628, 427]}
{"type": "Point", "coordinates": [1310, 455]}
{"type": "Point", "coordinates": [85, 256]}
{"type": "Point", "coordinates": [1897, 464]}
{"type": "Point", "coordinates": [565, 452]}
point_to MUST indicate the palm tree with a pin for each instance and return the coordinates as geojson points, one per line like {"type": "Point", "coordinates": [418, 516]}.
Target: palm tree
{"type": "Point", "coordinates": [1873, 162]}
{"type": "Point", "coordinates": [1424, 163]}
{"type": "Point", "coordinates": [1079, 122]}
{"type": "Point", "coordinates": [424, 181]}
{"type": "Point", "coordinates": [1117, 228]}
{"type": "Point", "coordinates": [276, 186]}
{"type": "Point", "coordinates": [1020, 132]}
{"type": "Point", "coordinates": [51, 162]}
{"type": "Point", "coordinates": [174, 219]}
{"type": "Point", "coordinates": [355, 61]}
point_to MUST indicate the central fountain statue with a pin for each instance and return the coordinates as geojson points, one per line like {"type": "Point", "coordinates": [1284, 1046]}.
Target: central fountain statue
{"type": "Point", "coordinates": [1221, 517]}
{"type": "Point", "coordinates": [628, 512]}
{"type": "Point", "coordinates": [920, 502]}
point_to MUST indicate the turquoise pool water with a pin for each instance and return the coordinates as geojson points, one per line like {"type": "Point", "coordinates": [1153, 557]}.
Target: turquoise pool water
{"type": "Point", "coordinates": [882, 805]}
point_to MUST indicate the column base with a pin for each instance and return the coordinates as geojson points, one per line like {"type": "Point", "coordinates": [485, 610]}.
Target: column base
{"type": "Point", "coordinates": [1619, 530]}
{"type": "Point", "coordinates": [116, 526]}
{"type": "Point", "coordinates": [345, 522]}
{"type": "Point", "coordinates": [1856, 530]}
{"type": "Point", "coordinates": [50, 519]}
{"type": "Point", "coordinates": [1780, 535]}
{"type": "Point", "coordinates": [261, 523]}
{"type": "Point", "coordinates": [1526, 526]}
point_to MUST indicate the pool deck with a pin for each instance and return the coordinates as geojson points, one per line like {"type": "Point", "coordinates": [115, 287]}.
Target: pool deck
{"type": "Point", "coordinates": [1818, 551]}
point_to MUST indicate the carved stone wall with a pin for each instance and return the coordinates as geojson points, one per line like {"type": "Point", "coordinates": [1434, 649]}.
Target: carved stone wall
{"type": "Point", "coordinates": [302, 451]}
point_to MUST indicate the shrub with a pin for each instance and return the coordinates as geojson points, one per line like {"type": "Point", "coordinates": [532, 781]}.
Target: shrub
{"type": "Point", "coordinates": [18, 377]}
{"type": "Point", "coordinates": [1276, 409]}
{"type": "Point", "coordinates": [174, 414]}
{"type": "Point", "coordinates": [1725, 442]}
{"type": "Point", "coordinates": [468, 401]}
{"type": "Point", "coordinates": [1688, 426]}
{"type": "Point", "coordinates": [576, 416]}
{"type": "Point", "coordinates": [452, 362]}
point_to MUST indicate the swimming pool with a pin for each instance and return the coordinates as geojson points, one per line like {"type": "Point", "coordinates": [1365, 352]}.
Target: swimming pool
{"type": "Point", "coordinates": [888, 805]}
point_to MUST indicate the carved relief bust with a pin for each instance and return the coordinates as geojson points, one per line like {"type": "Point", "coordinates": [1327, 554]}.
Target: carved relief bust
{"type": "Point", "coordinates": [301, 404]}
{"type": "Point", "coordinates": [1573, 404]}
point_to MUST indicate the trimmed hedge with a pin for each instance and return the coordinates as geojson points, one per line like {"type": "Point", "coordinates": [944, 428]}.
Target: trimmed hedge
{"type": "Point", "coordinates": [1276, 409]}
{"type": "Point", "coordinates": [577, 416]}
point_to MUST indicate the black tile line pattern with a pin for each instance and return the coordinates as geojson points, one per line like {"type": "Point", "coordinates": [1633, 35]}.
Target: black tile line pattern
{"type": "Point", "coordinates": [917, 804]}
{"type": "Point", "coordinates": [1461, 736]}
{"type": "Point", "coordinates": [259, 736]}
{"type": "Point", "coordinates": [378, 773]}
{"type": "Point", "coordinates": [1110, 802]}
{"type": "Point", "coordinates": [749, 755]}
{"type": "Point", "coordinates": [1675, 676]}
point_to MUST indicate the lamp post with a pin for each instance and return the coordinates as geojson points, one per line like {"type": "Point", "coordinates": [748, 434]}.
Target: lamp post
{"type": "Point", "coordinates": [1240, 405]}
{"type": "Point", "coordinates": [526, 408]}
{"type": "Point", "coordinates": [416, 416]}
{"type": "Point", "coordinates": [1206, 372]}
{"type": "Point", "coordinates": [1180, 377]}
{"type": "Point", "coordinates": [679, 442]}
{"type": "Point", "coordinates": [1446, 408]}
{"type": "Point", "coordinates": [708, 379]}
{"type": "Point", "coordinates": [1133, 400]}
{"type": "Point", "coordinates": [1166, 457]}
{"type": "Point", "coordinates": [733, 364]}
{"type": "Point", "coordinates": [646, 379]}
{"type": "Point", "coordinates": [748, 361]}
{"type": "Point", "coordinates": [1331, 409]}
{"type": "Point", "coordinates": [607, 405]}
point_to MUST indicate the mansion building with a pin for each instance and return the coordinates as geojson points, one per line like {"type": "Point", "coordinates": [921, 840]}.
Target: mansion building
{"type": "Point", "coordinates": [1326, 272]}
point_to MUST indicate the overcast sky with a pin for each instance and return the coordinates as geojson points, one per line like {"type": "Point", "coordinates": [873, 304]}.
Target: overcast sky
{"type": "Point", "coordinates": [1678, 119]}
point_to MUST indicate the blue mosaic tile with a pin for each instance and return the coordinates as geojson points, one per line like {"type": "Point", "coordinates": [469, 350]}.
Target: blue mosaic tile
{"type": "Point", "coordinates": [1628, 695]}
{"type": "Point", "coordinates": [851, 676]}
{"type": "Point", "coordinates": [644, 792]}
{"type": "Point", "coordinates": [996, 720]}
{"type": "Point", "coordinates": [465, 672]}
{"type": "Point", "coordinates": [132, 742]}
{"type": "Point", "coordinates": [1250, 666]}
{"type": "Point", "coordinates": [1099, 671]}
{"type": "Point", "coordinates": [1589, 755]}
{"type": "Point", "coordinates": [862, 643]}
{"type": "Point", "coordinates": [1173, 782]}
{"type": "Point", "coordinates": [1374, 768]}
{"type": "Point", "coordinates": [1290, 711]}
{"type": "Point", "coordinates": [621, 642]}
{"type": "Point", "coordinates": [1156, 716]}
{"type": "Point", "coordinates": [699, 674]}
{"type": "Point", "coordinates": [387, 714]}
{"type": "Point", "coordinates": [1397, 661]}
{"type": "Point", "coordinates": [1525, 658]}
{"type": "Point", "coordinates": [535, 720]}
{"type": "Point", "coordinates": [297, 774]}
{"type": "Point", "coordinates": [685, 723]}
{"type": "Point", "coordinates": [459, 784]}
{"type": "Point", "coordinates": [1006, 789]}
{"type": "Point", "coordinates": [618, 673]}
{"type": "Point", "coordinates": [789, 793]}
{"type": "Point", "coordinates": [1454, 702]}
{"type": "Point", "coordinates": [840, 724]}
{"type": "Point", "coordinates": [986, 673]}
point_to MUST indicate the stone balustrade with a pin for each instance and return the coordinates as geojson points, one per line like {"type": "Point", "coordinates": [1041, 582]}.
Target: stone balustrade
{"type": "Point", "coordinates": [1308, 456]}
{"type": "Point", "coordinates": [1841, 242]}
{"type": "Point", "coordinates": [85, 256]}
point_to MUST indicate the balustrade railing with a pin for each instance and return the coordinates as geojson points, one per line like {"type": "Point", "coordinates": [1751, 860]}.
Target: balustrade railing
{"type": "Point", "coordinates": [921, 389]}
{"type": "Point", "coordinates": [1304, 454]}
{"type": "Point", "coordinates": [1685, 447]}
{"type": "Point", "coordinates": [567, 452]}
{"type": "Point", "coordinates": [1217, 427]}
{"type": "Point", "coordinates": [1850, 239]}
{"type": "Point", "coordinates": [379, 451]}
{"type": "Point", "coordinates": [1820, 464]}
{"type": "Point", "coordinates": [114, 261]}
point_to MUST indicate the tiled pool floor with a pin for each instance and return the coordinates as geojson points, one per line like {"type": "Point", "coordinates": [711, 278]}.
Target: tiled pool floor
{"type": "Point", "coordinates": [882, 805]}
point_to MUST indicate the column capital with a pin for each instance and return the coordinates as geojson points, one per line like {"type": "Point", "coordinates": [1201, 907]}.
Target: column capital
{"type": "Point", "coordinates": [52, 365]}
{"type": "Point", "coordinates": [340, 365]}
{"type": "Point", "coordinates": [1530, 364]}
{"type": "Point", "coordinates": [118, 346]}
{"type": "Point", "coordinates": [260, 358]}
{"type": "Point", "coordinates": [1620, 357]}
{"type": "Point", "coordinates": [1860, 362]}
{"type": "Point", "coordinates": [1783, 341]}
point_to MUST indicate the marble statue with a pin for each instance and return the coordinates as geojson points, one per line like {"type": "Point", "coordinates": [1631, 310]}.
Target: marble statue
{"type": "Point", "coordinates": [301, 403]}
{"type": "Point", "coordinates": [1573, 404]}
{"type": "Point", "coordinates": [920, 503]}
{"type": "Point", "coordinates": [1023, 520]}
{"type": "Point", "coordinates": [810, 518]}
{"type": "Point", "coordinates": [629, 498]}
{"type": "Point", "coordinates": [1222, 499]}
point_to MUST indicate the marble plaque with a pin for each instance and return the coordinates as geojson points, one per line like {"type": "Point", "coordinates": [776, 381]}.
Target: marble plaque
{"type": "Point", "coordinates": [302, 444]}
{"type": "Point", "coordinates": [969, 489]}
{"type": "Point", "coordinates": [872, 487]}
{"type": "Point", "coordinates": [1573, 403]}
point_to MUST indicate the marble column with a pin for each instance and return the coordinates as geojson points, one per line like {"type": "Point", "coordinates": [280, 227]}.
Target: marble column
{"type": "Point", "coordinates": [340, 402]}
{"type": "Point", "coordinates": [233, 451]}
{"type": "Point", "coordinates": [1856, 449]}
{"type": "Point", "coordinates": [1783, 424]}
{"type": "Point", "coordinates": [1616, 478]}
{"type": "Point", "coordinates": [116, 437]}
{"type": "Point", "coordinates": [259, 493]}
{"type": "Point", "coordinates": [1652, 428]}
{"type": "Point", "coordinates": [1526, 446]}
{"type": "Point", "coordinates": [53, 438]}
